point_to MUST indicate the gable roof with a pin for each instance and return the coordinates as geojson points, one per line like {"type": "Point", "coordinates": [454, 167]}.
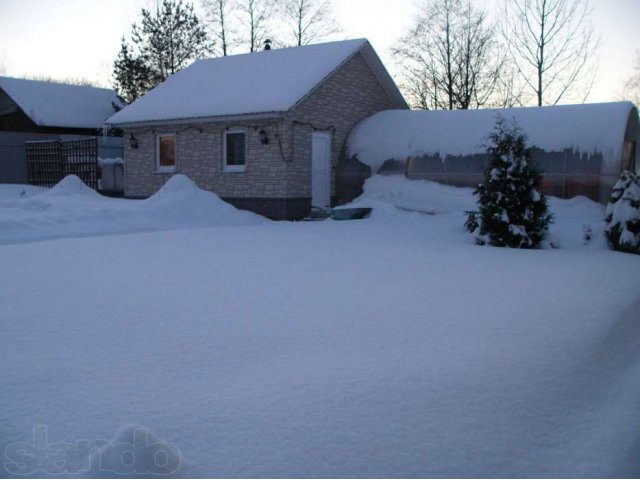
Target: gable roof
{"type": "Point", "coordinates": [266, 82]}
{"type": "Point", "coordinates": [50, 104]}
{"type": "Point", "coordinates": [393, 134]}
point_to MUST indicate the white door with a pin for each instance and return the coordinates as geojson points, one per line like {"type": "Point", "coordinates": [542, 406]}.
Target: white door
{"type": "Point", "coordinates": [321, 169]}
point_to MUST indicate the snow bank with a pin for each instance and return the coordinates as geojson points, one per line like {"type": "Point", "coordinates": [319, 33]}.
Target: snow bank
{"type": "Point", "coordinates": [71, 209]}
{"type": "Point", "coordinates": [399, 134]}
{"type": "Point", "coordinates": [71, 185]}
{"type": "Point", "coordinates": [176, 185]}
{"type": "Point", "coordinates": [444, 207]}
{"type": "Point", "coordinates": [396, 194]}
{"type": "Point", "coordinates": [180, 200]}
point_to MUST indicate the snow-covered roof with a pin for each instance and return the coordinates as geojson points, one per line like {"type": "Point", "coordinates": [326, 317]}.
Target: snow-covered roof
{"type": "Point", "coordinates": [398, 134]}
{"type": "Point", "coordinates": [51, 104]}
{"type": "Point", "coordinates": [263, 82]}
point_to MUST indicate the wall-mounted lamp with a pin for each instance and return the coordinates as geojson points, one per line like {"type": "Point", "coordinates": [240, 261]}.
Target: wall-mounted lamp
{"type": "Point", "coordinates": [264, 138]}
{"type": "Point", "coordinates": [133, 143]}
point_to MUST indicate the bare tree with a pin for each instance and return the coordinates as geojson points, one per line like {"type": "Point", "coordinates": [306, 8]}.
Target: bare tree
{"type": "Point", "coordinates": [425, 55]}
{"type": "Point", "coordinates": [450, 58]}
{"type": "Point", "coordinates": [631, 90]}
{"type": "Point", "coordinates": [309, 20]}
{"type": "Point", "coordinates": [511, 90]}
{"type": "Point", "coordinates": [217, 17]}
{"type": "Point", "coordinates": [552, 44]}
{"type": "Point", "coordinates": [256, 16]}
{"type": "Point", "coordinates": [478, 59]}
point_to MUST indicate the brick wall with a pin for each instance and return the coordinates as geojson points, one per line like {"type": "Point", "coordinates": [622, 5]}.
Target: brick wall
{"type": "Point", "coordinates": [348, 96]}
{"type": "Point", "coordinates": [281, 169]}
{"type": "Point", "coordinates": [199, 156]}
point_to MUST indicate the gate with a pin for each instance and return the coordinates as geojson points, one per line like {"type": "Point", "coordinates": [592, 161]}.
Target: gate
{"type": "Point", "coordinates": [49, 162]}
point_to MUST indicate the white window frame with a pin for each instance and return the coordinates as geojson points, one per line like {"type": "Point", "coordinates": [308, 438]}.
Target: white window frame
{"type": "Point", "coordinates": [164, 168]}
{"type": "Point", "coordinates": [234, 168]}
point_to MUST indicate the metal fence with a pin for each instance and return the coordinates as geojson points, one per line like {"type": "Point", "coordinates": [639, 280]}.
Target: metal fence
{"type": "Point", "coordinates": [48, 162]}
{"type": "Point", "coordinates": [13, 157]}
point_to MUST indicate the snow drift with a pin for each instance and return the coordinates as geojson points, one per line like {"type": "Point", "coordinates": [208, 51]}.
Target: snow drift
{"type": "Point", "coordinates": [182, 202]}
{"type": "Point", "coordinates": [397, 196]}
{"type": "Point", "coordinates": [70, 186]}
{"type": "Point", "coordinates": [72, 209]}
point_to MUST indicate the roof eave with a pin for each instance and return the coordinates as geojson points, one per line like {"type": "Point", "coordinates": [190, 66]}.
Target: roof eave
{"type": "Point", "coordinates": [192, 120]}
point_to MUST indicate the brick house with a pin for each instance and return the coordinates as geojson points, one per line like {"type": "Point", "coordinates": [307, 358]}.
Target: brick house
{"type": "Point", "coordinates": [264, 130]}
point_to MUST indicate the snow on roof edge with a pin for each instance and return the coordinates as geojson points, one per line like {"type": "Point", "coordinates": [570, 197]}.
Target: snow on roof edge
{"type": "Point", "coordinates": [188, 120]}
{"type": "Point", "coordinates": [399, 134]}
{"type": "Point", "coordinates": [58, 104]}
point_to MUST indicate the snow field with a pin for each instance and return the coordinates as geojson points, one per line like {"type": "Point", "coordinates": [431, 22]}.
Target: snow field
{"type": "Point", "coordinates": [386, 347]}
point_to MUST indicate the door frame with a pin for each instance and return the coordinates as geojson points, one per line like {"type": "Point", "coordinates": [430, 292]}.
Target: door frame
{"type": "Point", "coordinates": [328, 136]}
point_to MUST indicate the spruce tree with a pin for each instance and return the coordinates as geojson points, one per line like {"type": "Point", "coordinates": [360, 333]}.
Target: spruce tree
{"type": "Point", "coordinates": [166, 41]}
{"type": "Point", "coordinates": [622, 216]}
{"type": "Point", "coordinates": [130, 74]}
{"type": "Point", "coordinates": [513, 208]}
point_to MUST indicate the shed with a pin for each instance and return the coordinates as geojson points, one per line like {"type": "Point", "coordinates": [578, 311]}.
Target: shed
{"type": "Point", "coordinates": [580, 148]}
{"type": "Point", "coordinates": [263, 130]}
{"type": "Point", "coordinates": [33, 110]}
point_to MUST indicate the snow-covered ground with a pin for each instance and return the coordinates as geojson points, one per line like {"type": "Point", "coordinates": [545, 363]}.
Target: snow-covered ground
{"type": "Point", "coordinates": [391, 346]}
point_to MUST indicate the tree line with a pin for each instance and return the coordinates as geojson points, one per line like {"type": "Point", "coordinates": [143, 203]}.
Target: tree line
{"type": "Point", "coordinates": [537, 52]}
{"type": "Point", "coordinates": [453, 56]}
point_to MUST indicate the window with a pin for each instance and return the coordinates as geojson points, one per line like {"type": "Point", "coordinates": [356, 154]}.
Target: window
{"type": "Point", "coordinates": [166, 153]}
{"type": "Point", "coordinates": [234, 150]}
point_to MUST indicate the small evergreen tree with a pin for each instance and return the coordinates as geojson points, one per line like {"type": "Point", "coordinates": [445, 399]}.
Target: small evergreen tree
{"type": "Point", "coordinates": [165, 42]}
{"type": "Point", "coordinates": [622, 216]}
{"type": "Point", "coordinates": [512, 207]}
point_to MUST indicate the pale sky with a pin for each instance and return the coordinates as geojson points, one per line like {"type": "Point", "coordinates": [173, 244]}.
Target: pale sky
{"type": "Point", "coordinates": [80, 38]}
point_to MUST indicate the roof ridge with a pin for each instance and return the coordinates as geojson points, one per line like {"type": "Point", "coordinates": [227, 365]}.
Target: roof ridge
{"type": "Point", "coordinates": [53, 82]}
{"type": "Point", "coordinates": [276, 50]}
{"type": "Point", "coordinates": [257, 82]}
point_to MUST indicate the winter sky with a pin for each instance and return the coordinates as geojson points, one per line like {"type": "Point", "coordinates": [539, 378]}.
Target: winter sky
{"type": "Point", "coordinates": [80, 38]}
